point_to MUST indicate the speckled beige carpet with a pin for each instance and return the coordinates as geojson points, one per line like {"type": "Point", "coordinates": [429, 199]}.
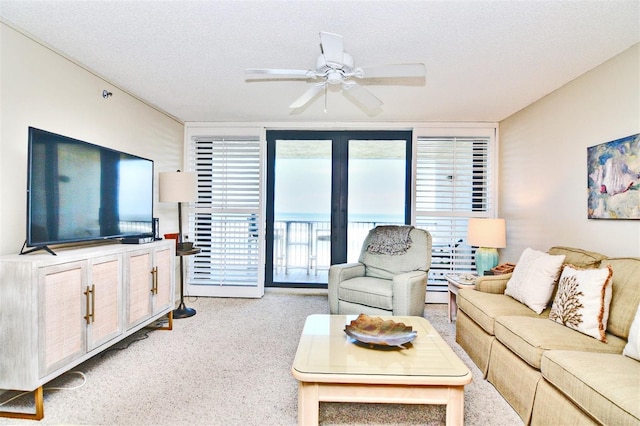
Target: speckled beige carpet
{"type": "Point", "coordinates": [231, 365]}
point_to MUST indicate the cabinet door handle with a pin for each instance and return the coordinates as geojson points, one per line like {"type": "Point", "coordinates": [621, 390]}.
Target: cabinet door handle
{"type": "Point", "coordinates": [87, 317]}
{"type": "Point", "coordinates": [93, 303]}
{"type": "Point", "coordinates": [154, 284]}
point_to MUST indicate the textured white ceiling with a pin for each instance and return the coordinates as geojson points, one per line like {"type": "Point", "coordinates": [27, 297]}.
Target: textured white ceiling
{"type": "Point", "coordinates": [485, 59]}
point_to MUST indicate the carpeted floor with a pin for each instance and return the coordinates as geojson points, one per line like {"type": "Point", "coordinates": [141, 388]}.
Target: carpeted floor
{"type": "Point", "coordinates": [231, 365]}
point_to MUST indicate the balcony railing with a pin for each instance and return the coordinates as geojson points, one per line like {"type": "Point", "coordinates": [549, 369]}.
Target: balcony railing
{"type": "Point", "coordinates": [306, 245]}
{"type": "Point", "coordinates": [302, 251]}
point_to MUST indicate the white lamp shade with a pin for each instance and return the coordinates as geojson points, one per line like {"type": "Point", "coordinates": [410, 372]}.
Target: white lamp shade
{"type": "Point", "coordinates": [487, 233]}
{"type": "Point", "coordinates": [178, 187]}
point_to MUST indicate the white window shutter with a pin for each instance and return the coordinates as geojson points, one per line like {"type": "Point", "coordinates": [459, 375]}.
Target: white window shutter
{"type": "Point", "coordinates": [226, 221]}
{"type": "Point", "coordinates": [453, 182]}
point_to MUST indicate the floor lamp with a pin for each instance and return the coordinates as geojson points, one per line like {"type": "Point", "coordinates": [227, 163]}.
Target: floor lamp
{"type": "Point", "coordinates": [487, 235]}
{"type": "Point", "coordinates": [179, 187]}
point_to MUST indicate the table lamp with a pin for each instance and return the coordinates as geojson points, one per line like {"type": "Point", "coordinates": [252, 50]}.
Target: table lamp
{"type": "Point", "coordinates": [487, 235]}
{"type": "Point", "coordinates": [179, 187]}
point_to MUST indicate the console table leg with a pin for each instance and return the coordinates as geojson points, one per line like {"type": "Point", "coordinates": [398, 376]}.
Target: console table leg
{"type": "Point", "coordinates": [169, 325]}
{"type": "Point", "coordinates": [38, 415]}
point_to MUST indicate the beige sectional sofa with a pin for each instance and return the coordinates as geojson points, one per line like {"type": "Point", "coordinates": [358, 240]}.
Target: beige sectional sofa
{"type": "Point", "coordinates": [548, 372]}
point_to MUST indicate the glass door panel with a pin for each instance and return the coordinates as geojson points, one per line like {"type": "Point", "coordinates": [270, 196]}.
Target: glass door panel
{"type": "Point", "coordinates": [377, 176]}
{"type": "Point", "coordinates": [302, 210]}
{"type": "Point", "coordinates": [325, 191]}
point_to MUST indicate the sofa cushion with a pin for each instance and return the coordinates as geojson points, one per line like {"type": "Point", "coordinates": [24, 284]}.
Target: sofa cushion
{"type": "Point", "coordinates": [626, 294]}
{"type": "Point", "coordinates": [530, 337]}
{"type": "Point", "coordinates": [582, 301]}
{"type": "Point", "coordinates": [605, 385]}
{"type": "Point", "coordinates": [484, 308]}
{"type": "Point", "coordinates": [578, 257]}
{"type": "Point", "coordinates": [632, 348]}
{"type": "Point", "coordinates": [534, 278]}
{"type": "Point", "coordinates": [375, 292]}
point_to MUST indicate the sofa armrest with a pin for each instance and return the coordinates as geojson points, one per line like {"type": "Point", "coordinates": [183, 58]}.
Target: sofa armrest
{"type": "Point", "coordinates": [493, 283]}
{"type": "Point", "coordinates": [337, 274]}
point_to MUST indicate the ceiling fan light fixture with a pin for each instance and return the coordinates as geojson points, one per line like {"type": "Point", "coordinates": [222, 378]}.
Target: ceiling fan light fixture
{"type": "Point", "coordinates": [335, 77]}
{"type": "Point", "coordinates": [322, 65]}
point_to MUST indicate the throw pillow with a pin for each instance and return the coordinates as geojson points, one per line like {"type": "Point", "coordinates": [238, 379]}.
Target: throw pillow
{"type": "Point", "coordinates": [632, 348]}
{"type": "Point", "coordinates": [582, 301]}
{"type": "Point", "coordinates": [534, 278]}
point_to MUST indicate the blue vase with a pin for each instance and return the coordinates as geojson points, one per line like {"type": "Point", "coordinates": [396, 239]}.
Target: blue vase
{"type": "Point", "coordinates": [486, 258]}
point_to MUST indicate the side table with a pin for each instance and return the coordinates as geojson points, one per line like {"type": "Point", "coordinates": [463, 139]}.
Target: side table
{"type": "Point", "coordinates": [182, 311]}
{"type": "Point", "coordinates": [456, 282]}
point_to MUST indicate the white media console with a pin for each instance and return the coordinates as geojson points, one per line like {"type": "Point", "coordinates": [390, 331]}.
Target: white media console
{"type": "Point", "coordinates": [58, 311]}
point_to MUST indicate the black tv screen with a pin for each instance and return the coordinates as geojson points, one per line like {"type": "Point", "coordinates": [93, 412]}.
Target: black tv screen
{"type": "Point", "coordinates": [78, 191]}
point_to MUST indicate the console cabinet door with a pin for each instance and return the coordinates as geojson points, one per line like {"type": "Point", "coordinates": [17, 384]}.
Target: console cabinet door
{"type": "Point", "coordinates": [140, 279]}
{"type": "Point", "coordinates": [62, 327]}
{"type": "Point", "coordinates": [104, 287]}
{"type": "Point", "coordinates": [164, 274]}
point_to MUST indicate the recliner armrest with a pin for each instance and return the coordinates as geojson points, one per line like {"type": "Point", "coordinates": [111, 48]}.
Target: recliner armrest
{"type": "Point", "coordinates": [408, 276]}
{"type": "Point", "coordinates": [337, 274]}
{"type": "Point", "coordinates": [346, 271]}
{"type": "Point", "coordinates": [496, 284]}
{"type": "Point", "coordinates": [409, 293]}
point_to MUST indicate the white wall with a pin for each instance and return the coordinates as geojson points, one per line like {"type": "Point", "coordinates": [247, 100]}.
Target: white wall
{"type": "Point", "coordinates": [543, 173]}
{"type": "Point", "coordinates": [543, 161]}
{"type": "Point", "coordinates": [40, 88]}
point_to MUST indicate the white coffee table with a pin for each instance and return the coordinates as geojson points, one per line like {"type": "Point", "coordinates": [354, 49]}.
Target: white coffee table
{"type": "Point", "coordinates": [330, 367]}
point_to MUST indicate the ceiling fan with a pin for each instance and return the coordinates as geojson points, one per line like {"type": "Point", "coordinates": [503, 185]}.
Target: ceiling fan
{"type": "Point", "coordinates": [334, 66]}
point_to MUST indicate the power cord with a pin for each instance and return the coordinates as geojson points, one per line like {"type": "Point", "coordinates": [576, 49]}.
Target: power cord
{"type": "Point", "coordinates": [121, 348]}
{"type": "Point", "coordinates": [80, 373]}
{"type": "Point", "coordinates": [149, 328]}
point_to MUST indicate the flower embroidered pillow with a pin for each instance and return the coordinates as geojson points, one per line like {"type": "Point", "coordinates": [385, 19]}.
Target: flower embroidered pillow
{"type": "Point", "coordinates": [582, 301]}
{"type": "Point", "coordinates": [632, 348]}
{"type": "Point", "coordinates": [534, 278]}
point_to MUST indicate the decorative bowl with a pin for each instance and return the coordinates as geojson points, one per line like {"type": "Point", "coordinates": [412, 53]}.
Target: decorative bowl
{"type": "Point", "coordinates": [375, 331]}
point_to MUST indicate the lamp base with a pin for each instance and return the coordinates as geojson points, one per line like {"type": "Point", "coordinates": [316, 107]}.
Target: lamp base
{"type": "Point", "coordinates": [183, 312]}
{"type": "Point", "coordinates": [486, 258]}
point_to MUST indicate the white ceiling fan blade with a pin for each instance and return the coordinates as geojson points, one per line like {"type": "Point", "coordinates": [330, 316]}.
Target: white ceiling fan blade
{"type": "Point", "coordinates": [361, 95]}
{"type": "Point", "coordinates": [278, 73]}
{"type": "Point", "coordinates": [332, 48]}
{"type": "Point", "coordinates": [308, 95]}
{"type": "Point", "coordinates": [395, 70]}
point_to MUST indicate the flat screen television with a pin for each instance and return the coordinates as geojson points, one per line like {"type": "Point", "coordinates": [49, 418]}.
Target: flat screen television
{"type": "Point", "coordinates": [78, 192]}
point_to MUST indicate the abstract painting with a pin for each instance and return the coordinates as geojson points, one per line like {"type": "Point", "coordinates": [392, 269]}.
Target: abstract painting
{"type": "Point", "coordinates": [613, 170]}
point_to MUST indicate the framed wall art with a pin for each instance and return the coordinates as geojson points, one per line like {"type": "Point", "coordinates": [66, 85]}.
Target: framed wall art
{"type": "Point", "coordinates": [613, 170]}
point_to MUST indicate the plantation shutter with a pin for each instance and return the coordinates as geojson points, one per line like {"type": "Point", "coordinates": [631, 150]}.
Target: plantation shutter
{"type": "Point", "coordinates": [226, 221]}
{"type": "Point", "coordinates": [453, 182]}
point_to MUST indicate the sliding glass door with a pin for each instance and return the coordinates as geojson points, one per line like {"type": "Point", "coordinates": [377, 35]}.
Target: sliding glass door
{"type": "Point", "coordinates": [325, 190]}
